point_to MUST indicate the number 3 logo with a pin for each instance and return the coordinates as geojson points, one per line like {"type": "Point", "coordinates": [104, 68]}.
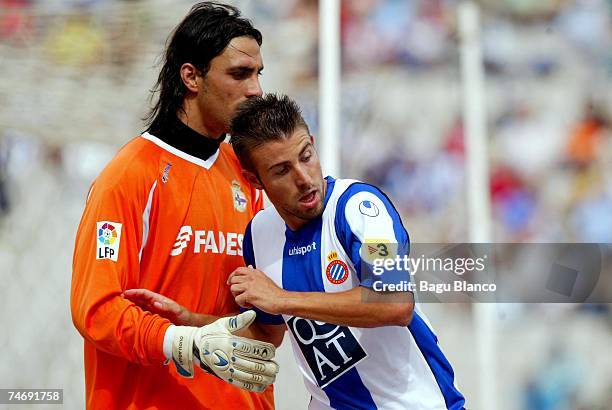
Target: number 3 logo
{"type": "Point", "coordinates": [382, 249]}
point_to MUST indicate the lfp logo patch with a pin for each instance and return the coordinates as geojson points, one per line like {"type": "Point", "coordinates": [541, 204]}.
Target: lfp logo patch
{"type": "Point", "coordinates": [108, 238]}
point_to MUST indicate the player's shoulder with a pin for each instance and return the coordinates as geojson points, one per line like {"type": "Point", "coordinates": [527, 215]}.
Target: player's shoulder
{"type": "Point", "coordinates": [351, 190]}
{"type": "Point", "coordinates": [226, 148]}
{"type": "Point", "coordinates": [268, 220]}
{"type": "Point", "coordinates": [133, 167]}
{"type": "Point", "coordinates": [357, 200]}
{"type": "Point", "coordinates": [226, 151]}
{"type": "Point", "coordinates": [266, 216]}
{"type": "Point", "coordinates": [365, 210]}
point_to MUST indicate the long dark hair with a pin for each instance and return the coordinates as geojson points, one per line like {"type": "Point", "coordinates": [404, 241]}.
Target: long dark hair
{"type": "Point", "coordinates": [200, 37]}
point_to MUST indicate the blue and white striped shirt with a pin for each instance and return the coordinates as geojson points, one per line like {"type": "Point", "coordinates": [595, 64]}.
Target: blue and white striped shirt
{"type": "Point", "coordinates": [390, 367]}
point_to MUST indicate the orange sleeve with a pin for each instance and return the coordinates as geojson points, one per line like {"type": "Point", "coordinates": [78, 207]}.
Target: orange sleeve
{"type": "Point", "coordinates": [105, 262]}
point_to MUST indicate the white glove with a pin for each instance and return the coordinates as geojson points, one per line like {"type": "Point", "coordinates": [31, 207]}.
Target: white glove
{"type": "Point", "coordinates": [243, 362]}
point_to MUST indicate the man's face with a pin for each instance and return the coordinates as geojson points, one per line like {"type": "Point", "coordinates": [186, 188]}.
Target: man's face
{"type": "Point", "coordinates": [232, 78]}
{"type": "Point", "coordinates": [290, 173]}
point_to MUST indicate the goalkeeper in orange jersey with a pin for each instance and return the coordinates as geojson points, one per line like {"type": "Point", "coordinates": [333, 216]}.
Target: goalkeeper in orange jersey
{"type": "Point", "coordinates": [168, 214]}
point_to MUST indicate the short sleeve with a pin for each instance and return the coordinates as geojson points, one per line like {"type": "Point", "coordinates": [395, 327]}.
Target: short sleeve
{"type": "Point", "coordinates": [369, 227]}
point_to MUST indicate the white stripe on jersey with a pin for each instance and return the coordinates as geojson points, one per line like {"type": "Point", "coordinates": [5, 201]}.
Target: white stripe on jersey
{"type": "Point", "coordinates": [146, 214]}
{"type": "Point", "coordinates": [268, 244]}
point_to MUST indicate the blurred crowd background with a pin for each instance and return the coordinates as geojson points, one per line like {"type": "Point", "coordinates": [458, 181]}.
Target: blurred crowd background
{"type": "Point", "coordinates": [75, 77]}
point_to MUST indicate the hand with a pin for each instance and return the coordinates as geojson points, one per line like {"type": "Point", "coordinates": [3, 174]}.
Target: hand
{"type": "Point", "coordinates": [163, 306]}
{"type": "Point", "coordinates": [251, 287]}
{"type": "Point", "coordinates": [242, 362]}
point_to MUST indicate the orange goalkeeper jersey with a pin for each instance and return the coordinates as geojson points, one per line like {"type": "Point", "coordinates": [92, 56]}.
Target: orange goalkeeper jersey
{"type": "Point", "coordinates": [161, 218]}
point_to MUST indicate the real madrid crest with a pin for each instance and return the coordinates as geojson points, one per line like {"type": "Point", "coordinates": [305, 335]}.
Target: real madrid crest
{"type": "Point", "coordinates": [240, 201]}
{"type": "Point", "coordinates": [337, 271]}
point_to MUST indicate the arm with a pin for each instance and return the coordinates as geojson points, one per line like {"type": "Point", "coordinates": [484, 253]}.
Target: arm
{"type": "Point", "coordinates": [107, 260]}
{"type": "Point", "coordinates": [179, 315]}
{"type": "Point", "coordinates": [354, 307]}
{"type": "Point", "coordinates": [363, 213]}
{"type": "Point", "coordinates": [222, 346]}
{"type": "Point", "coordinates": [99, 313]}
{"type": "Point", "coordinates": [350, 309]}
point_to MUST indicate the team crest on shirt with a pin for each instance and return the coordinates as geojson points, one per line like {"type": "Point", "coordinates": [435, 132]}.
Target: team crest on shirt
{"type": "Point", "coordinates": [240, 201]}
{"type": "Point", "coordinates": [337, 271]}
{"type": "Point", "coordinates": [108, 236]}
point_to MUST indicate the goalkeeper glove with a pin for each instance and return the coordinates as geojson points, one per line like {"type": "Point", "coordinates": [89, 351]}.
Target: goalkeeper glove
{"type": "Point", "coordinates": [243, 362]}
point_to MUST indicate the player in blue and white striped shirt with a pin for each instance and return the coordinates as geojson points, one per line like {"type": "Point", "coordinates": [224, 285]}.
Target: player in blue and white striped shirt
{"type": "Point", "coordinates": [308, 273]}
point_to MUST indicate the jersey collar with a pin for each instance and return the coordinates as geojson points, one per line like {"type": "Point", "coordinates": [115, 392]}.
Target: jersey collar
{"type": "Point", "coordinates": [179, 136]}
{"type": "Point", "coordinates": [330, 181]}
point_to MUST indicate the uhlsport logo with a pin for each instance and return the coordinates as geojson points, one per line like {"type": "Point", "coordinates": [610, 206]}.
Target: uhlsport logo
{"type": "Point", "coordinates": [108, 238]}
{"type": "Point", "coordinates": [337, 271]}
{"type": "Point", "coordinates": [369, 208]}
{"type": "Point", "coordinates": [240, 201]}
{"type": "Point", "coordinates": [303, 250]}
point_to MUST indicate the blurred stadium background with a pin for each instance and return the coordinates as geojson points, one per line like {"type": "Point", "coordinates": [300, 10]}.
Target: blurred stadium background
{"type": "Point", "coordinates": [74, 81]}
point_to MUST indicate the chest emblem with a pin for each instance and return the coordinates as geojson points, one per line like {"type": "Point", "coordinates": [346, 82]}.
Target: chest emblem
{"type": "Point", "coordinates": [240, 201]}
{"type": "Point", "coordinates": [330, 350]}
{"type": "Point", "coordinates": [337, 271]}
